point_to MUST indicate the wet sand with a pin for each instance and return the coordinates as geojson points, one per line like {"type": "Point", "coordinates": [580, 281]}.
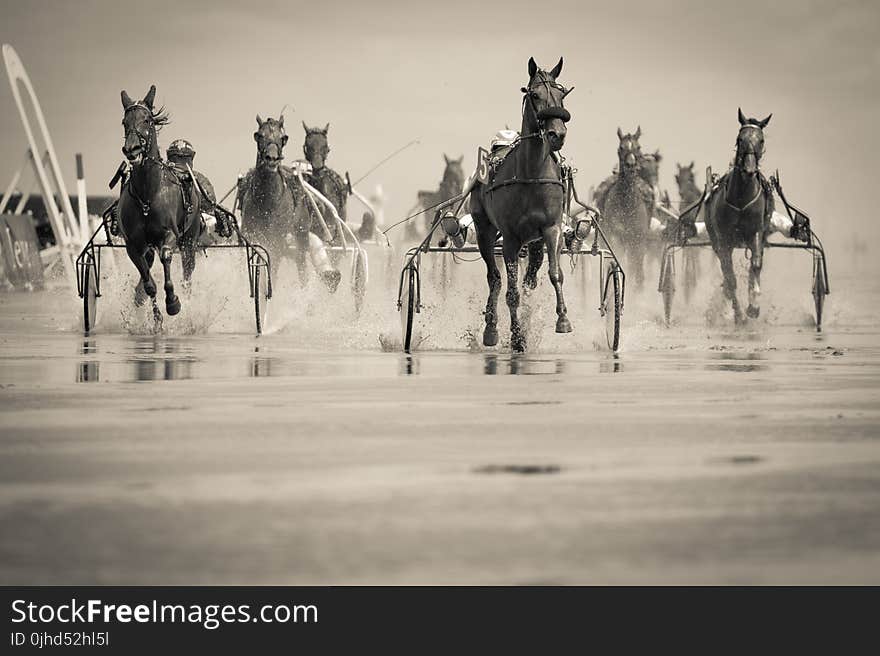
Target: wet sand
{"type": "Point", "coordinates": [697, 455]}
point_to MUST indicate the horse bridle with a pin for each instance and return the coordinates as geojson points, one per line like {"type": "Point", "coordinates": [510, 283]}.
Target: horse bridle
{"type": "Point", "coordinates": [261, 149]}
{"type": "Point", "coordinates": [548, 113]}
{"type": "Point", "coordinates": [757, 153]}
{"type": "Point", "coordinates": [146, 142]}
{"type": "Point", "coordinates": [738, 166]}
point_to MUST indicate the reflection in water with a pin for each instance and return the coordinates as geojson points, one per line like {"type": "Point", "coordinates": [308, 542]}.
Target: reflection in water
{"type": "Point", "coordinates": [88, 370]}
{"type": "Point", "coordinates": [261, 366]}
{"type": "Point", "coordinates": [612, 365]}
{"type": "Point", "coordinates": [154, 363]}
{"type": "Point", "coordinates": [737, 358]}
{"type": "Point", "coordinates": [520, 364]}
{"type": "Point", "coordinates": [409, 366]}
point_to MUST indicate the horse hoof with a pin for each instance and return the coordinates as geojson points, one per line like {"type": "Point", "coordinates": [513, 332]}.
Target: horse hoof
{"type": "Point", "coordinates": [172, 306]}
{"type": "Point", "coordinates": [752, 312]}
{"type": "Point", "coordinates": [490, 336]}
{"type": "Point", "coordinates": [518, 343]}
{"type": "Point", "coordinates": [150, 289]}
{"type": "Point", "coordinates": [331, 279]}
{"type": "Point", "coordinates": [563, 325]}
{"type": "Point", "coordinates": [530, 282]}
{"type": "Point", "coordinates": [739, 319]}
{"type": "Point", "coordinates": [140, 296]}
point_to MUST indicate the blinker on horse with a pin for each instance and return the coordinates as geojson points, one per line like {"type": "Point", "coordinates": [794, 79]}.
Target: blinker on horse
{"type": "Point", "coordinates": [523, 201]}
{"type": "Point", "coordinates": [154, 214]}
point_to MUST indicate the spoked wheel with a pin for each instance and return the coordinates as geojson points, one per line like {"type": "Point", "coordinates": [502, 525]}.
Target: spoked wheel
{"type": "Point", "coordinates": [820, 290]}
{"type": "Point", "coordinates": [612, 308]}
{"type": "Point", "coordinates": [667, 284]}
{"type": "Point", "coordinates": [90, 295]}
{"type": "Point", "coordinates": [408, 302]}
{"type": "Point", "coordinates": [359, 281]}
{"type": "Point", "coordinates": [261, 297]}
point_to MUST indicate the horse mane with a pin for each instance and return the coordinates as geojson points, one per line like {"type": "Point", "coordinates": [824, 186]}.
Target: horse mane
{"type": "Point", "coordinates": [160, 117]}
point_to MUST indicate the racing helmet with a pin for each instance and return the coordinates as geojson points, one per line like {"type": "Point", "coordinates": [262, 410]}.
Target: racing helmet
{"type": "Point", "coordinates": [181, 149]}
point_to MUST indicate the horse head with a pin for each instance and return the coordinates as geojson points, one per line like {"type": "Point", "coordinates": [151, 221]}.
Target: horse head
{"type": "Point", "coordinates": [271, 139]}
{"type": "Point", "coordinates": [629, 152]}
{"type": "Point", "coordinates": [749, 144]}
{"type": "Point", "coordinates": [651, 167]}
{"type": "Point", "coordinates": [315, 147]}
{"type": "Point", "coordinates": [543, 112]}
{"type": "Point", "coordinates": [141, 123]}
{"type": "Point", "coordinates": [684, 176]}
{"type": "Point", "coordinates": [453, 175]}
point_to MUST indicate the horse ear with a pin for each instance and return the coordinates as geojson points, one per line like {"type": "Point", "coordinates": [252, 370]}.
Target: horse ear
{"type": "Point", "coordinates": [446, 159]}
{"type": "Point", "coordinates": [460, 159]}
{"type": "Point", "coordinates": [126, 100]}
{"type": "Point", "coordinates": [764, 123]}
{"type": "Point", "coordinates": [259, 121]}
{"type": "Point", "coordinates": [739, 115]}
{"type": "Point", "coordinates": [556, 69]}
{"type": "Point", "coordinates": [692, 164]}
{"type": "Point", "coordinates": [533, 67]}
{"type": "Point", "coordinates": [305, 127]}
{"type": "Point", "coordinates": [657, 155]}
{"type": "Point", "coordinates": [620, 134]}
{"type": "Point", "coordinates": [326, 129]}
{"type": "Point", "coordinates": [638, 132]}
{"type": "Point", "coordinates": [281, 120]}
{"type": "Point", "coordinates": [150, 97]}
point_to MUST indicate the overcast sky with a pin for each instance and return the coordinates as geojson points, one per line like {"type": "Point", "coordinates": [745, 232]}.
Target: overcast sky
{"type": "Point", "coordinates": [449, 73]}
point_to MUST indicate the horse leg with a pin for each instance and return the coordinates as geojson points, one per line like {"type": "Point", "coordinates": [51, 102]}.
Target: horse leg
{"type": "Point", "coordinates": [637, 249]}
{"type": "Point", "coordinates": [725, 257]}
{"type": "Point", "coordinates": [511, 263]}
{"type": "Point", "coordinates": [756, 262]}
{"type": "Point", "coordinates": [140, 296]}
{"type": "Point", "coordinates": [139, 259]}
{"type": "Point", "coordinates": [300, 251]}
{"type": "Point", "coordinates": [172, 303]}
{"type": "Point", "coordinates": [553, 239]}
{"type": "Point", "coordinates": [188, 257]}
{"type": "Point", "coordinates": [536, 258]}
{"type": "Point", "coordinates": [486, 234]}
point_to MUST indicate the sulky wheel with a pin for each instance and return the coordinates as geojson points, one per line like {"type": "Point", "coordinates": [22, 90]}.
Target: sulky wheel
{"type": "Point", "coordinates": [359, 280]}
{"type": "Point", "coordinates": [612, 307]}
{"type": "Point", "coordinates": [90, 294]}
{"type": "Point", "coordinates": [820, 290]}
{"type": "Point", "coordinates": [407, 308]}
{"type": "Point", "coordinates": [667, 284]}
{"type": "Point", "coordinates": [261, 296]}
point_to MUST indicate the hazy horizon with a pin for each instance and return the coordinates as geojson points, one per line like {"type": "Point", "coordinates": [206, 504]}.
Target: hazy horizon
{"type": "Point", "coordinates": [449, 74]}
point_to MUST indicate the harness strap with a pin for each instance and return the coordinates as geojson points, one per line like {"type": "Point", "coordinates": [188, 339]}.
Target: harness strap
{"type": "Point", "coordinates": [747, 205]}
{"type": "Point", "coordinates": [504, 183]}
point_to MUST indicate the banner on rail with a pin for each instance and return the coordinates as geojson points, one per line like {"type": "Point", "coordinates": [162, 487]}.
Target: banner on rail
{"type": "Point", "coordinates": [20, 263]}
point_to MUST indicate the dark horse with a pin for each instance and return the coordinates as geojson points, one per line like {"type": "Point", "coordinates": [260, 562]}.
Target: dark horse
{"type": "Point", "coordinates": [273, 204]}
{"type": "Point", "coordinates": [154, 212]}
{"type": "Point", "coordinates": [523, 200]}
{"type": "Point", "coordinates": [450, 186]}
{"type": "Point", "coordinates": [628, 204]}
{"type": "Point", "coordinates": [322, 177]}
{"type": "Point", "coordinates": [688, 194]}
{"type": "Point", "coordinates": [738, 212]}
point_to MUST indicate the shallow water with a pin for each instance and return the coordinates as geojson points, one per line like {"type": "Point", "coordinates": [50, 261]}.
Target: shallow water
{"type": "Point", "coordinates": [318, 453]}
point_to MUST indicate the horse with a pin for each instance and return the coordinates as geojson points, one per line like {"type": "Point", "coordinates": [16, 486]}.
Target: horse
{"type": "Point", "coordinates": [738, 211]}
{"type": "Point", "coordinates": [273, 205]}
{"type": "Point", "coordinates": [523, 200]}
{"type": "Point", "coordinates": [628, 203]}
{"type": "Point", "coordinates": [155, 213]}
{"type": "Point", "coordinates": [323, 178]}
{"type": "Point", "coordinates": [450, 186]}
{"type": "Point", "coordinates": [688, 193]}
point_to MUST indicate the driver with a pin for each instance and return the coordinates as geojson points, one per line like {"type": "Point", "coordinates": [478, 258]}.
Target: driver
{"type": "Point", "coordinates": [180, 155]}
